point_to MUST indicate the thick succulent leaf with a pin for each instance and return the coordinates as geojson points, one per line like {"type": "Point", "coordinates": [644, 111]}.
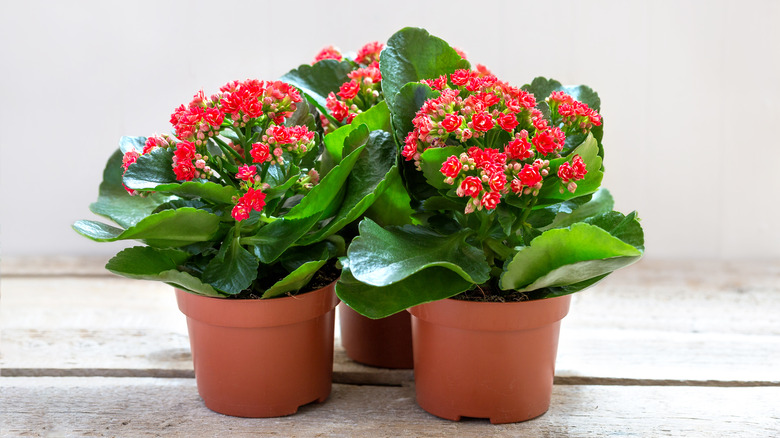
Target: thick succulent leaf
{"type": "Point", "coordinates": [233, 269]}
{"type": "Point", "coordinates": [570, 212]}
{"type": "Point", "coordinates": [166, 229]}
{"type": "Point", "coordinates": [392, 207]}
{"type": "Point", "coordinates": [201, 189]}
{"type": "Point", "coordinates": [151, 170]}
{"type": "Point", "coordinates": [295, 280]}
{"type": "Point", "coordinates": [275, 238]}
{"type": "Point", "coordinates": [412, 54]}
{"type": "Point", "coordinates": [317, 80]}
{"type": "Point", "coordinates": [557, 291]}
{"type": "Point", "coordinates": [146, 263]}
{"type": "Point", "coordinates": [376, 118]}
{"type": "Point", "coordinates": [294, 257]}
{"type": "Point", "coordinates": [115, 203]}
{"type": "Point", "coordinates": [380, 257]}
{"type": "Point", "coordinates": [327, 191]}
{"type": "Point", "coordinates": [625, 228]}
{"type": "Point", "coordinates": [431, 284]}
{"type": "Point", "coordinates": [565, 256]}
{"type": "Point", "coordinates": [373, 172]}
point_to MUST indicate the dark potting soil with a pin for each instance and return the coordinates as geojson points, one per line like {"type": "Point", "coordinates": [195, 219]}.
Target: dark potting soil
{"type": "Point", "coordinates": [485, 293]}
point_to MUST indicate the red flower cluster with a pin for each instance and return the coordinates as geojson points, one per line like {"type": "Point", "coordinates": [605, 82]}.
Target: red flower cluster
{"type": "Point", "coordinates": [574, 113]}
{"type": "Point", "coordinates": [252, 200]}
{"type": "Point", "coordinates": [478, 110]}
{"type": "Point", "coordinates": [568, 173]}
{"type": "Point", "coordinates": [329, 52]}
{"type": "Point", "coordinates": [361, 92]}
{"type": "Point", "coordinates": [242, 101]}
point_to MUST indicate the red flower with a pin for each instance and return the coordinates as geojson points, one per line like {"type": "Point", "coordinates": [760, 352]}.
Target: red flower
{"type": "Point", "coordinates": [260, 153]}
{"type": "Point", "coordinates": [482, 121]}
{"type": "Point", "coordinates": [549, 141]}
{"type": "Point", "coordinates": [246, 173]}
{"type": "Point", "coordinates": [369, 53]}
{"type": "Point", "coordinates": [507, 122]}
{"type": "Point", "coordinates": [349, 90]}
{"type": "Point", "coordinates": [519, 149]}
{"type": "Point", "coordinates": [470, 186]}
{"type": "Point", "coordinates": [497, 181]}
{"type": "Point", "coordinates": [410, 146]}
{"type": "Point", "coordinates": [461, 77]}
{"type": "Point", "coordinates": [436, 84]}
{"type": "Point", "coordinates": [530, 176]}
{"type": "Point", "coordinates": [252, 200]}
{"type": "Point", "coordinates": [329, 52]}
{"type": "Point", "coordinates": [451, 122]}
{"type": "Point", "coordinates": [129, 158]}
{"type": "Point", "coordinates": [337, 108]}
{"type": "Point", "coordinates": [578, 167]}
{"type": "Point", "coordinates": [451, 167]}
{"type": "Point", "coordinates": [490, 200]}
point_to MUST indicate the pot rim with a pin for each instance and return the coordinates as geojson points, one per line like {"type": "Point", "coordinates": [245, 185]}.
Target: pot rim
{"type": "Point", "coordinates": [257, 313]}
{"type": "Point", "coordinates": [493, 316]}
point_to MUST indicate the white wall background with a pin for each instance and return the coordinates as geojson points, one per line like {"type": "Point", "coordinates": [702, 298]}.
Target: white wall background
{"type": "Point", "coordinates": [689, 90]}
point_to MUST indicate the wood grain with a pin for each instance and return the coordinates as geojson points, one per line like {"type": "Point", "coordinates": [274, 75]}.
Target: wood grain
{"type": "Point", "coordinates": [69, 406]}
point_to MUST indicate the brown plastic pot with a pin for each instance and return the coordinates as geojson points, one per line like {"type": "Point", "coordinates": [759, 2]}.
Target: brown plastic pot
{"type": "Point", "coordinates": [486, 360]}
{"type": "Point", "coordinates": [261, 358]}
{"type": "Point", "coordinates": [385, 342]}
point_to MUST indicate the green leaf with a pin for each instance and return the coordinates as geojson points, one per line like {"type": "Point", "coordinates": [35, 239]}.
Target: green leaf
{"type": "Point", "coordinates": [569, 212]}
{"type": "Point", "coordinates": [115, 203]}
{"type": "Point", "coordinates": [327, 191]}
{"type": "Point", "coordinates": [146, 263]}
{"type": "Point", "coordinates": [200, 189]}
{"type": "Point", "coordinates": [376, 118]}
{"type": "Point", "coordinates": [296, 280]}
{"type": "Point", "coordinates": [166, 229]}
{"type": "Point", "coordinates": [542, 88]}
{"type": "Point", "coordinates": [625, 228]}
{"type": "Point", "coordinates": [373, 172]}
{"type": "Point", "coordinates": [233, 269]}
{"type": "Point", "coordinates": [273, 239]}
{"type": "Point", "coordinates": [431, 162]}
{"type": "Point", "coordinates": [380, 257]}
{"type": "Point", "coordinates": [392, 207]}
{"type": "Point", "coordinates": [412, 54]}
{"type": "Point", "coordinates": [294, 257]}
{"type": "Point", "coordinates": [150, 170]}
{"type": "Point", "coordinates": [565, 256]}
{"type": "Point", "coordinates": [432, 284]}
{"type": "Point", "coordinates": [317, 80]}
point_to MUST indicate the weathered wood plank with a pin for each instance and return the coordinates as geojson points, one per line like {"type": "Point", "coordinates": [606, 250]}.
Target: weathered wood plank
{"type": "Point", "coordinates": [685, 322]}
{"type": "Point", "coordinates": [67, 406]}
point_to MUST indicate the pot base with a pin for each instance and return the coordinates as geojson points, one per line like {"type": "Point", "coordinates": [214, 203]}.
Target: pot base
{"type": "Point", "coordinates": [486, 360]}
{"type": "Point", "coordinates": [384, 343]}
{"type": "Point", "coordinates": [261, 358]}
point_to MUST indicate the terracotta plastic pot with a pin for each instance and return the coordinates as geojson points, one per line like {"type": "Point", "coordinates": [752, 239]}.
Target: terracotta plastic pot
{"type": "Point", "coordinates": [261, 358]}
{"type": "Point", "coordinates": [385, 342]}
{"type": "Point", "coordinates": [486, 360]}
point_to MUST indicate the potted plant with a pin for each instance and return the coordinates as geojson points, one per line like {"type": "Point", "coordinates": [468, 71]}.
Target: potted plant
{"type": "Point", "coordinates": [510, 220]}
{"type": "Point", "coordinates": [240, 209]}
{"type": "Point", "coordinates": [347, 90]}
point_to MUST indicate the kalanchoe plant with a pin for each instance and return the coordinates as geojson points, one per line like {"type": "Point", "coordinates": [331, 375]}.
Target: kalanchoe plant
{"type": "Point", "coordinates": [506, 183]}
{"type": "Point", "coordinates": [238, 201]}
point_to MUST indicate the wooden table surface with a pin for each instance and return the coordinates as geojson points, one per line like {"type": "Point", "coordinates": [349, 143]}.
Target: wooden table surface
{"type": "Point", "coordinates": [662, 348]}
